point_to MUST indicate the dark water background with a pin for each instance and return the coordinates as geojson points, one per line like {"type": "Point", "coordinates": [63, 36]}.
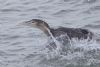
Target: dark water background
{"type": "Point", "coordinates": [21, 46]}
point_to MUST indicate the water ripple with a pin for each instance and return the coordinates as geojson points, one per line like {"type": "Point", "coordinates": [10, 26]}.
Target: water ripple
{"type": "Point", "coordinates": [63, 12]}
{"type": "Point", "coordinates": [92, 26]}
{"type": "Point", "coordinates": [16, 50]}
{"type": "Point", "coordinates": [89, 1]}
{"type": "Point", "coordinates": [10, 10]}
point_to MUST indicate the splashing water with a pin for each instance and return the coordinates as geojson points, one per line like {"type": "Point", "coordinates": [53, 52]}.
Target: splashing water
{"type": "Point", "coordinates": [79, 48]}
{"type": "Point", "coordinates": [58, 44]}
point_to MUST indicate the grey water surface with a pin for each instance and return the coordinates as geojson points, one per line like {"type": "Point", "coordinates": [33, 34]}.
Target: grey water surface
{"type": "Point", "coordinates": [22, 46]}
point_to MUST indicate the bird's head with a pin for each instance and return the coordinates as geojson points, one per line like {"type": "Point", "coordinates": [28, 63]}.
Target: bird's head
{"type": "Point", "coordinates": [36, 23]}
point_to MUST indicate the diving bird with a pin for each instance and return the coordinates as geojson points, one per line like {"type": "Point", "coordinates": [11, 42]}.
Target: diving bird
{"type": "Point", "coordinates": [65, 33]}
{"type": "Point", "coordinates": [70, 32]}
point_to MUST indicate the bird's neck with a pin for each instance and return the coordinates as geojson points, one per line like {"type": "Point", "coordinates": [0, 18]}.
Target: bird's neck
{"type": "Point", "coordinates": [45, 30]}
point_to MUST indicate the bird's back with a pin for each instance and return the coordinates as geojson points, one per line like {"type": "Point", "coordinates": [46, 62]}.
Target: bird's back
{"type": "Point", "coordinates": [72, 32]}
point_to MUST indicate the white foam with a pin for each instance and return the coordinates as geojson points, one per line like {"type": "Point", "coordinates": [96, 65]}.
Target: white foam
{"type": "Point", "coordinates": [78, 48]}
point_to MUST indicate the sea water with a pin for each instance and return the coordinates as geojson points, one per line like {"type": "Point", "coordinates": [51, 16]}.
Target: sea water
{"type": "Point", "coordinates": [25, 46]}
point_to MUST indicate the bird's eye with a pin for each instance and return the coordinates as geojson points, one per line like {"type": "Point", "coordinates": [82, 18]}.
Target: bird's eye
{"type": "Point", "coordinates": [32, 21]}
